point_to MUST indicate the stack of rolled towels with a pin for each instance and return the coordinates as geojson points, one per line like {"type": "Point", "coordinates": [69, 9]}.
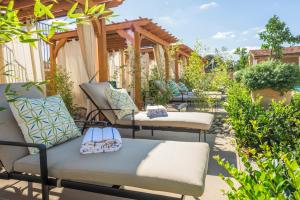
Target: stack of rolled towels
{"type": "Point", "coordinates": [101, 140]}
{"type": "Point", "coordinates": [156, 111]}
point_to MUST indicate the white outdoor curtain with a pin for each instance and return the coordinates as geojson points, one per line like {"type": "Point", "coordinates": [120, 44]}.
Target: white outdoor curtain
{"type": "Point", "coordinates": [70, 58]}
{"type": "Point", "coordinates": [88, 45]}
{"type": "Point", "coordinates": [23, 59]}
{"type": "Point", "coordinates": [129, 70]}
{"type": "Point", "coordinates": [145, 66]}
{"type": "Point", "coordinates": [114, 63]}
{"type": "Point", "coordinates": [160, 59]}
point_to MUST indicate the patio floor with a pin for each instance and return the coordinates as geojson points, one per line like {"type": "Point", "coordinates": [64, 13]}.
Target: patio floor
{"type": "Point", "coordinates": [219, 144]}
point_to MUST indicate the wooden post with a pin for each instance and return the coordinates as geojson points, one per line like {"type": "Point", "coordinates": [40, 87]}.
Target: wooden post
{"type": "Point", "coordinates": [167, 63]}
{"type": "Point", "coordinates": [2, 68]}
{"type": "Point", "coordinates": [52, 68]}
{"type": "Point", "coordinates": [102, 58]}
{"type": "Point", "coordinates": [137, 70]}
{"type": "Point", "coordinates": [123, 71]}
{"type": "Point", "coordinates": [176, 68]}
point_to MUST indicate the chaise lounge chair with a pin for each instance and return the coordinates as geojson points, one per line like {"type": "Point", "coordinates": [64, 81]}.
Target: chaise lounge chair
{"type": "Point", "coordinates": [193, 122]}
{"type": "Point", "coordinates": [176, 167]}
{"type": "Point", "coordinates": [184, 96]}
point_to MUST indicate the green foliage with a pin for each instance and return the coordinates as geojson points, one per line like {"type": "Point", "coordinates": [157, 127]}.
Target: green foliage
{"type": "Point", "coordinates": [193, 72]}
{"type": "Point", "coordinates": [272, 74]}
{"type": "Point", "coordinates": [275, 176]}
{"type": "Point", "coordinates": [158, 97]}
{"type": "Point", "coordinates": [242, 63]}
{"type": "Point", "coordinates": [272, 138]}
{"type": "Point", "coordinates": [254, 125]}
{"type": "Point", "coordinates": [10, 25]}
{"type": "Point", "coordinates": [63, 86]}
{"type": "Point", "coordinates": [296, 100]}
{"type": "Point", "coordinates": [275, 35]}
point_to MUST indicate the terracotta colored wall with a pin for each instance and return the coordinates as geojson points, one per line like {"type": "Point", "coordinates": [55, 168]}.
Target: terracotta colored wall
{"type": "Point", "coordinates": [294, 60]}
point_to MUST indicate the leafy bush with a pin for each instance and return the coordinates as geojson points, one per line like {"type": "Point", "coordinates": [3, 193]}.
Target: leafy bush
{"type": "Point", "coordinates": [272, 74]}
{"type": "Point", "coordinates": [63, 87]}
{"type": "Point", "coordinates": [296, 100]}
{"type": "Point", "coordinates": [277, 124]}
{"type": "Point", "coordinates": [275, 176]}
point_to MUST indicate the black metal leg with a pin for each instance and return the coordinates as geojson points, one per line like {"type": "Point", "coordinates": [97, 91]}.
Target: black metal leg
{"type": "Point", "coordinates": [133, 132]}
{"type": "Point", "coordinates": [152, 132]}
{"type": "Point", "coordinates": [45, 192]}
{"type": "Point", "coordinates": [205, 136]}
{"type": "Point", "coordinates": [200, 136]}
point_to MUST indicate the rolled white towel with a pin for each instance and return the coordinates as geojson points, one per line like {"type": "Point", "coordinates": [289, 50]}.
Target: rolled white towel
{"type": "Point", "coordinates": [98, 140]}
{"type": "Point", "coordinates": [110, 142]}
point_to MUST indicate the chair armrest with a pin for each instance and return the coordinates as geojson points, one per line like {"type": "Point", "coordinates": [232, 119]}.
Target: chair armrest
{"type": "Point", "coordinates": [42, 152]}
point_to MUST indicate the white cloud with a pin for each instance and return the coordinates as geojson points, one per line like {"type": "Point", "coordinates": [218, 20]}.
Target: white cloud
{"type": "Point", "coordinates": [251, 47]}
{"type": "Point", "coordinates": [208, 5]}
{"type": "Point", "coordinates": [167, 20]}
{"type": "Point", "coordinates": [253, 31]}
{"type": "Point", "coordinates": [224, 35]}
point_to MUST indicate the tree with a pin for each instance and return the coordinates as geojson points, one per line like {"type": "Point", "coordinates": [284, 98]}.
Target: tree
{"type": "Point", "coordinates": [243, 58]}
{"type": "Point", "coordinates": [275, 35]}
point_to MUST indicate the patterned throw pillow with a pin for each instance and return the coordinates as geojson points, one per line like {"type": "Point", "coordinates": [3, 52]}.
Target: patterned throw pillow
{"type": "Point", "coordinates": [44, 121]}
{"type": "Point", "coordinates": [182, 87]}
{"type": "Point", "coordinates": [119, 99]}
{"type": "Point", "coordinates": [174, 89]}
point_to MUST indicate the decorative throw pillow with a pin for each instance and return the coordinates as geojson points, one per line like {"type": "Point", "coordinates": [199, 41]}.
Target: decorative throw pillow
{"type": "Point", "coordinates": [182, 87]}
{"type": "Point", "coordinates": [174, 89]}
{"type": "Point", "coordinates": [44, 121]}
{"type": "Point", "coordinates": [119, 99]}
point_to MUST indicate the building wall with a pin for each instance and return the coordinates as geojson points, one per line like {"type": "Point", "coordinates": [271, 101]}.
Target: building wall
{"type": "Point", "coordinates": [290, 59]}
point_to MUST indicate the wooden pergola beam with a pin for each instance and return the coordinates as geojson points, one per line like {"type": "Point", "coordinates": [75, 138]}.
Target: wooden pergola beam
{"type": "Point", "coordinates": [150, 36]}
{"type": "Point", "coordinates": [125, 35]}
{"type": "Point", "coordinates": [126, 25]}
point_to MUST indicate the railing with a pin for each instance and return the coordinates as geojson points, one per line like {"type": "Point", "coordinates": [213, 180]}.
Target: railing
{"type": "Point", "coordinates": [43, 46]}
{"type": "Point", "coordinates": [14, 71]}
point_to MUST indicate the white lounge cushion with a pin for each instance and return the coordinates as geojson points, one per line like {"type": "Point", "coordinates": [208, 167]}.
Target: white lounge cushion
{"type": "Point", "coordinates": [192, 120]}
{"type": "Point", "coordinates": [177, 167]}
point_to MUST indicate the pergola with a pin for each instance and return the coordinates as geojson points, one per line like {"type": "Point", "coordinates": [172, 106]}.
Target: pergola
{"type": "Point", "coordinates": [59, 9]}
{"type": "Point", "coordinates": [142, 34]}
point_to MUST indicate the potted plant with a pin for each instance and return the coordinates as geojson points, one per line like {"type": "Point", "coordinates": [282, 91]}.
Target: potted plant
{"type": "Point", "coordinates": [271, 80]}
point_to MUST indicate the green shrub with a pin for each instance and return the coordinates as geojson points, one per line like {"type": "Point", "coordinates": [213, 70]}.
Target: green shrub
{"type": "Point", "coordinates": [272, 74]}
{"type": "Point", "coordinates": [64, 87]}
{"type": "Point", "coordinates": [242, 111]}
{"type": "Point", "coordinates": [296, 100]}
{"type": "Point", "coordinates": [277, 124]}
{"type": "Point", "coordinates": [275, 176]}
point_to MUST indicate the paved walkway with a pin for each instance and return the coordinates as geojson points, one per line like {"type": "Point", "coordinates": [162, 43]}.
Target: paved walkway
{"type": "Point", "coordinates": [219, 144]}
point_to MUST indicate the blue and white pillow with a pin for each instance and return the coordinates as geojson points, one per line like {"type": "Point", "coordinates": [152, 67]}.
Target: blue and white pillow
{"type": "Point", "coordinates": [44, 121]}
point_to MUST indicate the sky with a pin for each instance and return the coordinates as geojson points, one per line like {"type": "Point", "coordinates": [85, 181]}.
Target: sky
{"type": "Point", "coordinates": [216, 23]}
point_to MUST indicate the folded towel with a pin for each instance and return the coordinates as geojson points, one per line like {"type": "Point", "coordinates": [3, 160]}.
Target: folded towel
{"type": "Point", "coordinates": [190, 93]}
{"type": "Point", "coordinates": [101, 140]}
{"type": "Point", "coordinates": [156, 111]}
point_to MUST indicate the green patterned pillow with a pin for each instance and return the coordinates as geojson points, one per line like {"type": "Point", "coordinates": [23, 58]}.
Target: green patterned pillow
{"type": "Point", "coordinates": [44, 121]}
{"type": "Point", "coordinates": [174, 89]}
{"type": "Point", "coordinates": [119, 99]}
{"type": "Point", "coordinates": [182, 87]}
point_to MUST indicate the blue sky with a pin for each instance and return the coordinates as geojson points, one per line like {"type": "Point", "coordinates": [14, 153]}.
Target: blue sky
{"type": "Point", "coordinates": [217, 23]}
